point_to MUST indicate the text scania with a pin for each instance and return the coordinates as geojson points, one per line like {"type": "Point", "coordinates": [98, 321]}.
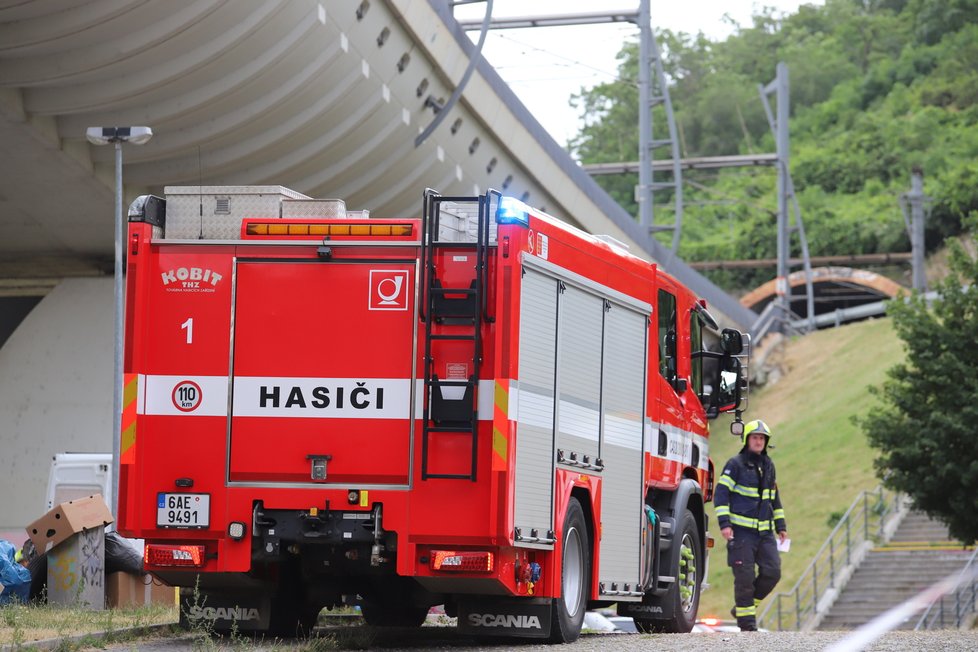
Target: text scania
{"type": "Point", "coordinates": [360, 397]}
{"type": "Point", "coordinates": [191, 278]}
{"type": "Point", "coordinates": [644, 608]}
{"type": "Point", "coordinates": [504, 620]}
{"type": "Point", "coordinates": [229, 613]}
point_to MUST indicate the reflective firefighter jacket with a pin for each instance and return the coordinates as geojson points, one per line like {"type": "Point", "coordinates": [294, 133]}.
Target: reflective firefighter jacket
{"type": "Point", "coordinates": [747, 494]}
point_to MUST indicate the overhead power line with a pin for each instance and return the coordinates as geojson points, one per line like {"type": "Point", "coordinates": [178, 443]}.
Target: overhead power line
{"type": "Point", "coordinates": [854, 259]}
{"type": "Point", "coordinates": [698, 163]}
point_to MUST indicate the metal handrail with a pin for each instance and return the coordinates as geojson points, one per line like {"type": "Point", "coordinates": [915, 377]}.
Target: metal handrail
{"type": "Point", "coordinates": [951, 610]}
{"type": "Point", "coordinates": [763, 324]}
{"type": "Point", "coordinates": [769, 319]}
{"type": "Point", "coordinates": [861, 526]}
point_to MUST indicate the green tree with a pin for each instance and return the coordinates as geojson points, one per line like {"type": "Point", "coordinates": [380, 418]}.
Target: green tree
{"type": "Point", "coordinates": [924, 426]}
{"type": "Point", "coordinates": [877, 87]}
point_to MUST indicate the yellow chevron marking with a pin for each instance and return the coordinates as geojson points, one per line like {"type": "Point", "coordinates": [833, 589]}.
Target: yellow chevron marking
{"type": "Point", "coordinates": [501, 398]}
{"type": "Point", "coordinates": [500, 444]}
{"type": "Point", "coordinates": [128, 437]}
{"type": "Point", "coordinates": [129, 391]}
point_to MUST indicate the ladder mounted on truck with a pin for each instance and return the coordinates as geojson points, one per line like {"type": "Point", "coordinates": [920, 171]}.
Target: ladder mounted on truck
{"type": "Point", "coordinates": [453, 311]}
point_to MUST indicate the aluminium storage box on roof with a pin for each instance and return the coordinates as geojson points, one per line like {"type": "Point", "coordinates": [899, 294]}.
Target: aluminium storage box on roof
{"type": "Point", "coordinates": [317, 208]}
{"type": "Point", "coordinates": [216, 212]}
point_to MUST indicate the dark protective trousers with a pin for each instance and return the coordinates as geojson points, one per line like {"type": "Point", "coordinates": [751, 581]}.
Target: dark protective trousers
{"type": "Point", "coordinates": [750, 548]}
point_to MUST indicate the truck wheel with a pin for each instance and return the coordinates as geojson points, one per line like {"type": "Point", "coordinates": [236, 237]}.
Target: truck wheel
{"type": "Point", "coordinates": [292, 619]}
{"type": "Point", "coordinates": [685, 594]}
{"type": "Point", "coordinates": [689, 577]}
{"type": "Point", "coordinates": [382, 613]}
{"type": "Point", "coordinates": [575, 577]}
{"type": "Point", "coordinates": [293, 614]}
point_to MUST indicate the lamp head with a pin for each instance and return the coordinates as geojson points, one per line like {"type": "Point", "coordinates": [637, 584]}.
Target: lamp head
{"type": "Point", "coordinates": [106, 135]}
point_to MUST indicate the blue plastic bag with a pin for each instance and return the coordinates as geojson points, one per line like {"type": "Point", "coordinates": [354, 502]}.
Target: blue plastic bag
{"type": "Point", "coordinates": [16, 579]}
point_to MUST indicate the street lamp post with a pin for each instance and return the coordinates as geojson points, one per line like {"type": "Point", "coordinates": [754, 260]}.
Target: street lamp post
{"type": "Point", "coordinates": [117, 136]}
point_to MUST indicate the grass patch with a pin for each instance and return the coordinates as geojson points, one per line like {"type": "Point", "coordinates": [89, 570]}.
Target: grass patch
{"type": "Point", "coordinates": [22, 625]}
{"type": "Point", "coordinates": [823, 460]}
{"type": "Point", "coordinates": [347, 638]}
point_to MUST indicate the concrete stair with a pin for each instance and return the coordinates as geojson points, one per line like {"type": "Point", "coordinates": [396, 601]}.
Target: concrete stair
{"type": "Point", "coordinates": [919, 554]}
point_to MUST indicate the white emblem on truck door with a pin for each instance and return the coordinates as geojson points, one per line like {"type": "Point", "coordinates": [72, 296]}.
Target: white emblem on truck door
{"type": "Point", "coordinates": [388, 289]}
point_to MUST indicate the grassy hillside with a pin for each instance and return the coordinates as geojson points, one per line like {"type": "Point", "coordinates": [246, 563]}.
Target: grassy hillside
{"type": "Point", "coordinates": [823, 459]}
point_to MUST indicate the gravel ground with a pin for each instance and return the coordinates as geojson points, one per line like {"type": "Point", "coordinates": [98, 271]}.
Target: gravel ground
{"type": "Point", "coordinates": [427, 639]}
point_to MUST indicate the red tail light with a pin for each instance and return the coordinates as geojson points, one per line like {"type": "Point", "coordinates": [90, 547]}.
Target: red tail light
{"type": "Point", "coordinates": [159, 555]}
{"type": "Point", "coordinates": [468, 562]}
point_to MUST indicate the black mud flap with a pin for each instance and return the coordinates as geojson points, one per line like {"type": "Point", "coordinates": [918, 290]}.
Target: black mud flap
{"type": "Point", "coordinates": [524, 618]}
{"type": "Point", "coordinates": [651, 607]}
{"type": "Point", "coordinates": [223, 612]}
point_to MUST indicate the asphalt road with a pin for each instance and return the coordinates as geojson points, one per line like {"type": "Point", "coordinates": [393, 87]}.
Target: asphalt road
{"type": "Point", "coordinates": [444, 638]}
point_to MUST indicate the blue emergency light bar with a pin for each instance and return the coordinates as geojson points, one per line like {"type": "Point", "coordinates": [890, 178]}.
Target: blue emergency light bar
{"type": "Point", "coordinates": [512, 211]}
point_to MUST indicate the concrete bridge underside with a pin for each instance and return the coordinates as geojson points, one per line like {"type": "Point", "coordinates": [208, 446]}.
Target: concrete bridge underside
{"type": "Point", "coordinates": [323, 97]}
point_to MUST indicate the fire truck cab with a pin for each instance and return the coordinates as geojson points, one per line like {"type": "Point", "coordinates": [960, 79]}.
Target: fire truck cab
{"type": "Point", "coordinates": [482, 407]}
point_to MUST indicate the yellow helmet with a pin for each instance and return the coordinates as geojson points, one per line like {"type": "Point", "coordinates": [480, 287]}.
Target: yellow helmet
{"type": "Point", "coordinates": [755, 427]}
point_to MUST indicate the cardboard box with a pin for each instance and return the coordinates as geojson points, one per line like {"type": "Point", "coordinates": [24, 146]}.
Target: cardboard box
{"type": "Point", "coordinates": [128, 590]}
{"type": "Point", "coordinates": [67, 519]}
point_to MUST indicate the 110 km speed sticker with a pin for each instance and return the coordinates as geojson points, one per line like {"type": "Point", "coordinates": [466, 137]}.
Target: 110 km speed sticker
{"type": "Point", "coordinates": [187, 396]}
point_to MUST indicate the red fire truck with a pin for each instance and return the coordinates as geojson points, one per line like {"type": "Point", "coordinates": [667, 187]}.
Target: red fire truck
{"type": "Point", "coordinates": [483, 408]}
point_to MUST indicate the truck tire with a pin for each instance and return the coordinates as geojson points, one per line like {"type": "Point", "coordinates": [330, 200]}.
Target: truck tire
{"type": "Point", "coordinates": [292, 619]}
{"type": "Point", "coordinates": [575, 577]}
{"type": "Point", "coordinates": [384, 613]}
{"type": "Point", "coordinates": [685, 593]}
{"type": "Point", "coordinates": [292, 615]}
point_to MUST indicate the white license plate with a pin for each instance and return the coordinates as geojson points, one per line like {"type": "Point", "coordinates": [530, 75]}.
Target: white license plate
{"type": "Point", "coordinates": [183, 510]}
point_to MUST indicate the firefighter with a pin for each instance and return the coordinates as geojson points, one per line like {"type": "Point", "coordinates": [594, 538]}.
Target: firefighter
{"type": "Point", "coordinates": [748, 509]}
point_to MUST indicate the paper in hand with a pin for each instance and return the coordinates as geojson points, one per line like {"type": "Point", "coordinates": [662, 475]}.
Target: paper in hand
{"type": "Point", "coordinates": [784, 546]}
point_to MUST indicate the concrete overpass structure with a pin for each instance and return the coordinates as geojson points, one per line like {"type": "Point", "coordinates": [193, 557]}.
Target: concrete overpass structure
{"type": "Point", "coordinates": [835, 288]}
{"type": "Point", "coordinates": [323, 97]}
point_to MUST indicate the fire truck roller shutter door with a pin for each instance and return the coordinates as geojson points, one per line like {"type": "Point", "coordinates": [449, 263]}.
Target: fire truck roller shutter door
{"type": "Point", "coordinates": [533, 508]}
{"type": "Point", "coordinates": [580, 325]}
{"type": "Point", "coordinates": [622, 407]}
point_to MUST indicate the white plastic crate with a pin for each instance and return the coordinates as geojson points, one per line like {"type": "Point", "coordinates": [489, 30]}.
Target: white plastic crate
{"type": "Point", "coordinates": [459, 222]}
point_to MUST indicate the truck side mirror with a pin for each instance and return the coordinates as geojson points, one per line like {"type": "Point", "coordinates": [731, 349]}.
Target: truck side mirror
{"type": "Point", "coordinates": [728, 382]}
{"type": "Point", "coordinates": [731, 341]}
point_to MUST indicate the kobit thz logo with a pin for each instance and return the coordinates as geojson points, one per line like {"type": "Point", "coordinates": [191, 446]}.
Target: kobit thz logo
{"type": "Point", "coordinates": [190, 279]}
{"type": "Point", "coordinates": [389, 289]}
